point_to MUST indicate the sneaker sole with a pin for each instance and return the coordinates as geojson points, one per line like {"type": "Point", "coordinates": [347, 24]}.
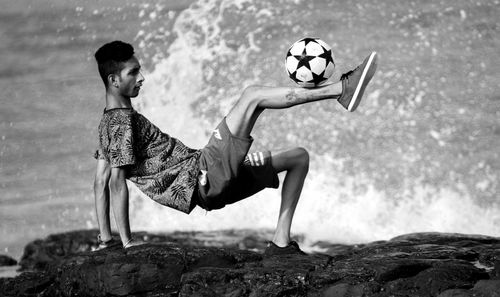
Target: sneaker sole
{"type": "Point", "coordinates": [366, 76]}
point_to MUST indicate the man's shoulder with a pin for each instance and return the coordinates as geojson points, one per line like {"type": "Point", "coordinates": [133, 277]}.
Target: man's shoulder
{"type": "Point", "coordinates": [120, 112]}
{"type": "Point", "coordinates": [126, 119]}
{"type": "Point", "coordinates": [118, 116]}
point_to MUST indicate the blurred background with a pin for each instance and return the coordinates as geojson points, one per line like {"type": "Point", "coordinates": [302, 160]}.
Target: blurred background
{"type": "Point", "coordinates": [421, 153]}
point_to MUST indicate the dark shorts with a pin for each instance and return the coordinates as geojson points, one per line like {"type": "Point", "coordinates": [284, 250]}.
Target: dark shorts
{"type": "Point", "coordinates": [228, 174]}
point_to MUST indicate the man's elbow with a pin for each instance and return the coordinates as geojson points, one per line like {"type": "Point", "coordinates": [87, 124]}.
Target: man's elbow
{"type": "Point", "coordinates": [117, 185]}
{"type": "Point", "coordinates": [102, 175]}
{"type": "Point", "coordinates": [101, 182]}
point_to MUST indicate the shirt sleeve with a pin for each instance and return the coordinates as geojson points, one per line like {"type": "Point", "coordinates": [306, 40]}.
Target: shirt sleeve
{"type": "Point", "coordinates": [121, 142]}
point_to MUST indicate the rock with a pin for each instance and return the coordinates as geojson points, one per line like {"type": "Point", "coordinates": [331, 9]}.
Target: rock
{"type": "Point", "coordinates": [7, 261]}
{"type": "Point", "coordinates": [197, 264]}
{"type": "Point", "coordinates": [487, 288]}
{"type": "Point", "coordinates": [122, 273]}
{"type": "Point", "coordinates": [456, 293]}
{"type": "Point", "coordinates": [40, 253]}
{"type": "Point", "coordinates": [496, 270]}
{"type": "Point", "coordinates": [439, 278]}
{"type": "Point", "coordinates": [26, 284]}
{"type": "Point", "coordinates": [395, 269]}
{"type": "Point", "coordinates": [445, 238]}
{"type": "Point", "coordinates": [344, 290]}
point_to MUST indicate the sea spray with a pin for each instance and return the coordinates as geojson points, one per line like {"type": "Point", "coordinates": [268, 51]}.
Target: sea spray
{"type": "Point", "coordinates": [375, 174]}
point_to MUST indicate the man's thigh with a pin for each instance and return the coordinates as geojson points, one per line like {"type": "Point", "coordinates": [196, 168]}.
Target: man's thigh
{"type": "Point", "coordinates": [242, 117]}
{"type": "Point", "coordinates": [220, 163]}
{"type": "Point", "coordinates": [256, 174]}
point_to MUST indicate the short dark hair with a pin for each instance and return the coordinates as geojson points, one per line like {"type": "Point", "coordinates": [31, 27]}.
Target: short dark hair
{"type": "Point", "coordinates": [110, 58]}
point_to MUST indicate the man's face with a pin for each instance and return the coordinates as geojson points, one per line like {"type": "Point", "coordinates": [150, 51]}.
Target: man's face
{"type": "Point", "coordinates": [130, 78]}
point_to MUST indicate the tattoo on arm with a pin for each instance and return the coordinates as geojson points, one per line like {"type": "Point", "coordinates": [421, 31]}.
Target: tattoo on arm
{"type": "Point", "coordinates": [292, 98]}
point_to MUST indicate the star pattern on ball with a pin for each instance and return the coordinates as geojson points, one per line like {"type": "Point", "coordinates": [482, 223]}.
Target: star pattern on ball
{"type": "Point", "coordinates": [293, 76]}
{"type": "Point", "coordinates": [308, 39]}
{"type": "Point", "coordinates": [317, 78]}
{"type": "Point", "coordinates": [327, 55]}
{"type": "Point", "coordinates": [300, 66]}
{"type": "Point", "coordinates": [304, 60]}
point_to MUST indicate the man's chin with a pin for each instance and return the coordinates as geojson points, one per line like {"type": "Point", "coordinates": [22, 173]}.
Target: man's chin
{"type": "Point", "coordinates": [135, 94]}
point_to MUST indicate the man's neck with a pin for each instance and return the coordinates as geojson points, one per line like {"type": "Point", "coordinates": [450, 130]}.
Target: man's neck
{"type": "Point", "coordinates": [116, 101]}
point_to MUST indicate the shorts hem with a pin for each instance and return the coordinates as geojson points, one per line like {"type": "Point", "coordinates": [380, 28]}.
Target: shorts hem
{"type": "Point", "coordinates": [249, 139]}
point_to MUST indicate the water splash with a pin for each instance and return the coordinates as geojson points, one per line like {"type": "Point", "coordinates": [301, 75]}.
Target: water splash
{"type": "Point", "coordinates": [374, 175]}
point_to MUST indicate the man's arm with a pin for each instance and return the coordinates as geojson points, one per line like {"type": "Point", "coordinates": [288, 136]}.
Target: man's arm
{"type": "Point", "coordinates": [119, 201]}
{"type": "Point", "coordinates": [101, 196]}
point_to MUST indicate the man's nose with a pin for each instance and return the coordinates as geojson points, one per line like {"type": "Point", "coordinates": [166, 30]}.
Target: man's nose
{"type": "Point", "coordinates": [141, 77]}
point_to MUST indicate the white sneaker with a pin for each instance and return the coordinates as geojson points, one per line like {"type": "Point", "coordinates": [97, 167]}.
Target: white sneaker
{"type": "Point", "coordinates": [101, 245]}
{"type": "Point", "coordinates": [133, 242]}
{"type": "Point", "coordinates": [355, 81]}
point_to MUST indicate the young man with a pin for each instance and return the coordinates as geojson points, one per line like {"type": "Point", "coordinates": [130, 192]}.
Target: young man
{"type": "Point", "coordinates": [222, 172]}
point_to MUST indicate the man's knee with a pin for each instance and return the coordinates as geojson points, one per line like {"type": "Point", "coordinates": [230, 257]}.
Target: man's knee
{"type": "Point", "coordinates": [299, 158]}
{"type": "Point", "coordinates": [252, 94]}
{"type": "Point", "coordinates": [296, 158]}
{"type": "Point", "coordinates": [302, 158]}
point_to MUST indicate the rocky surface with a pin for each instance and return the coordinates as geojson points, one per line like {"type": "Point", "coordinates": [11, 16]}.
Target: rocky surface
{"type": "Point", "coordinates": [232, 264]}
{"type": "Point", "coordinates": [7, 261]}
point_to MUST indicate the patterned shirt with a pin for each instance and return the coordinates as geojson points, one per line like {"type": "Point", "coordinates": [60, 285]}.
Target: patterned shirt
{"type": "Point", "coordinates": [161, 166]}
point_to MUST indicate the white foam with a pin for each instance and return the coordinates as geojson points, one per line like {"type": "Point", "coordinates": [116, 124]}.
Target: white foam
{"type": "Point", "coordinates": [336, 214]}
{"type": "Point", "coordinates": [177, 81]}
{"type": "Point", "coordinates": [344, 216]}
{"type": "Point", "coordinates": [328, 210]}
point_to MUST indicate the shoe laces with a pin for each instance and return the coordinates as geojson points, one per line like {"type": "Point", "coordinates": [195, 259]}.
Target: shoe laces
{"type": "Point", "coordinates": [346, 75]}
{"type": "Point", "coordinates": [128, 243]}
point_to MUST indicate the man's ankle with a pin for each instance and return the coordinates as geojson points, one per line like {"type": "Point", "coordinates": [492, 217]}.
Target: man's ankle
{"type": "Point", "coordinates": [126, 241]}
{"type": "Point", "coordinates": [281, 241]}
{"type": "Point", "coordinates": [104, 237]}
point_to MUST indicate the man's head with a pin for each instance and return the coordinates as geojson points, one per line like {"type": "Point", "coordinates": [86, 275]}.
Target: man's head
{"type": "Point", "coordinates": [119, 68]}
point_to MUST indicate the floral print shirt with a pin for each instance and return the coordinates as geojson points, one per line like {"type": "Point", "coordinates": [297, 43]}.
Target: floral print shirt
{"type": "Point", "coordinates": [161, 166]}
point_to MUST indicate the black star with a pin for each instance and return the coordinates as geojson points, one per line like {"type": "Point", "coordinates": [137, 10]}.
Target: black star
{"type": "Point", "coordinates": [317, 78]}
{"type": "Point", "coordinates": [304, 60]}
{"type": "Point", "coordinates": [293, 76]}
{"type": "Point", "coordinates": [327, 55]}
{"type": "Point", "coordinates": [308, 39]}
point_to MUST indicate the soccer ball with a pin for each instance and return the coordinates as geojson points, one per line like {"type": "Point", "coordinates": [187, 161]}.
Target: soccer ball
{"type": "Point", "coordinates": [309, 62]}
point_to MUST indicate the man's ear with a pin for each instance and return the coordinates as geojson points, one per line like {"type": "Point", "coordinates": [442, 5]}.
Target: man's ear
{"type": "Point", "coordinates": [113, 80]}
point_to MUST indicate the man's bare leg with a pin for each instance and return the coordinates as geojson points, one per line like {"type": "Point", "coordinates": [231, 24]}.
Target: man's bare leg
{"type": "Point", "coordinates": [255, 99]}
{"type": "Point", "coordinates": [296, 164]}
{"type": "Point", "coordinates": [349, 91]}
